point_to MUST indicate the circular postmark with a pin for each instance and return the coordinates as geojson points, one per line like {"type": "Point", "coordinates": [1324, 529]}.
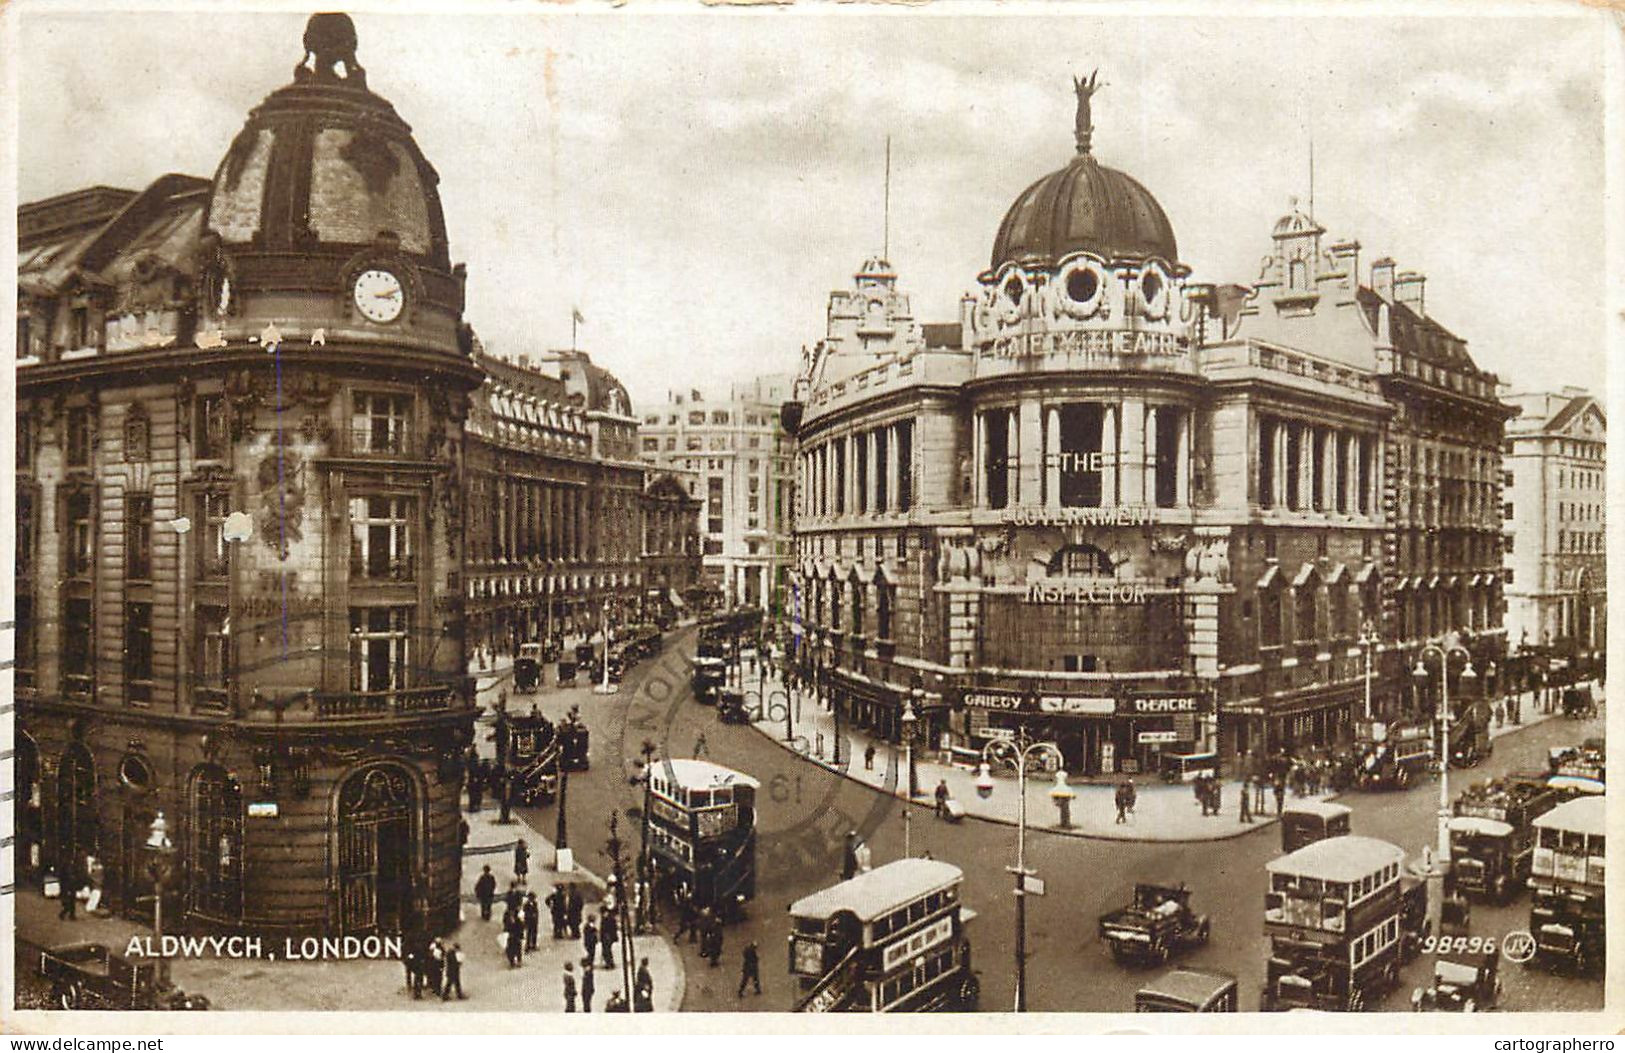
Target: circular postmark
{"type": "Point", "coordinates": [803, 819]}
{"type": "Point", "coordinates": [1518, 946]}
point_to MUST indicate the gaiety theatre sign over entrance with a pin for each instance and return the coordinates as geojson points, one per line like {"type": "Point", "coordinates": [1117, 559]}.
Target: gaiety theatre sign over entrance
{"type": "Point", "coordinates": [1136, 705]}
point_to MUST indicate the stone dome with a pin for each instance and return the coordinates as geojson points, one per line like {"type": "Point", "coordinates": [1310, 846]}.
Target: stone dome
{"type": "Point", "coordinates": [325, 163]}
{"type": "Point", "coordinates": [1084, 207]}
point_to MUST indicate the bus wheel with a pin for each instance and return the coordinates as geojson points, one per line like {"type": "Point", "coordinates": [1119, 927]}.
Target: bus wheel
{"type": "Point", "coordinates": [970, 990]}
{"type": "Point", "coordinates": [69, 995]}
{"type": "Point", "coordinates": [1402, 778]}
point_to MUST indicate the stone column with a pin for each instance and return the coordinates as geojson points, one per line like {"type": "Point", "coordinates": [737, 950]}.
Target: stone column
{"type": "Point", "coordinates": [1280, 464]}
{"type": "Point", "coordinates": [1029, 453]}
{"type": "Point", "coordinates": [1182, 459]}
{"type": "Point", "coordinates": [1132, 452]}
{"type": "Point", "coordinates": [1052, 457]}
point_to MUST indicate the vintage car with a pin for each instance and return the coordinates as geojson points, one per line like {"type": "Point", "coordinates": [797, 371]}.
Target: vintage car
{"type": "Point", "coordinates": [567, 673]}
{"type": "Point", "coordinates": [1188, 991]}
{"type": "Point", "coordinates": [1579, 703]}
{"type": "Point", "coordinates": [731, 708]}
{"type": "Point", "coordinates": [527, 668]}
{"type": "Point", "coordinates": [1463, 982]}
{"type": "Point", "coordinates": [93, 976]}
{"type": "Point", "coordinates": [1305, 822]}
{"type": "Point", "coordinates": [1158, 922]}
{"type": "Point", "coordinates": [709, 675]}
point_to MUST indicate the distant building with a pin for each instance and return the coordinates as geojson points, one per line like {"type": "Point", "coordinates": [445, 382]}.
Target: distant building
{"type": "Point", "coordinates": [1556, 501]}
{"type": "Point", "coordinates": [671, 563]}
{"type": "Point", "coordinates": [740, 457]}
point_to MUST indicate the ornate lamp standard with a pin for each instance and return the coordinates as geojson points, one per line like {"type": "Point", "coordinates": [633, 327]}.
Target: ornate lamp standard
{"type": "Point", "coordinates": [1369, 639]}
{"type": "Point", "coordinates": [160, 863]}
{"type": "Point", "coordinates": [604, 687]}
{"type": "Point", "coordinates": [1020, 753]}
{"type": "Point", "coordinates": [908, 721]}
{"type": "Point", "coordinates": [1441, 863]}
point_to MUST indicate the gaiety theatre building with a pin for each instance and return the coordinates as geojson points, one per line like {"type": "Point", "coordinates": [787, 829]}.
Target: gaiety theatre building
{"type": "Point", "coordinates": [1142, 517]}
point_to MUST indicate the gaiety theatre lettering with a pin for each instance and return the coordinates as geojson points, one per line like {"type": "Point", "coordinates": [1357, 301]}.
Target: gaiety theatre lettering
{"type": "Point", "coordinates": [1088, 342]}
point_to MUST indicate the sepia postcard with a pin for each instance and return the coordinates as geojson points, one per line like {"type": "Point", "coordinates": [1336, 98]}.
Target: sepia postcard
{"type": "Point", "coordinates": [982, 509]}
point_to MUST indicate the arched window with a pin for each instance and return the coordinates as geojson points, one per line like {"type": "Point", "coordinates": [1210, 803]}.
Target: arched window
{"type": "Point", "coordinates": [1306, 607]}
{"type": "Point", "coordinates": [137, 434]}
{"type": "Point", "coordinates": [1270, 615]}
{"type": "Point", "coordinates": [857, 605]}
{"type": "Point", "coordinates": [1080, 561]}
{"type": "Point", "coordinates": [216, 856]}
{"type": "Point", "coordinates": [883, 602]}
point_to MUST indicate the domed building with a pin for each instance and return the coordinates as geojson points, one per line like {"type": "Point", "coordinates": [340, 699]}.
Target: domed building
{"type": "Point", "coordinates": [241, 515]}
{"type": "Point", "coordinates": [1135, 515]}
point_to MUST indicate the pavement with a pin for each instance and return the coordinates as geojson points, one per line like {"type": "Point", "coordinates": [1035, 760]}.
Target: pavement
{"type": "Point", "coordinates": [370, 985]}
{"type": "Point", "coordinates": [1162, 812]}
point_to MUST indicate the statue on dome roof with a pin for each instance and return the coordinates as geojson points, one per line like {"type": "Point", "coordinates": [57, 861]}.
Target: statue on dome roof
{"type": "Point", "coordinates": [330, 38]}
{"type": "Point", "coordinates": [1084, 127]}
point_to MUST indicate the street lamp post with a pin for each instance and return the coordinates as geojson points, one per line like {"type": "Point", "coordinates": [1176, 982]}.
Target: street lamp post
{"type": "Point", "coordinates": [160, 859]}
{"type": "Point", "coordinates": [1441, 863]}
{"type": "Point", "coordinates": [605, 687]}
{"type": "Point", "coordinates": [1368, 640]}
{"type": "Point", "coordinates": [917, 695]}
{"type": "Point", "coordinates": [1021, 753]}
{"type": "Point", "coordinates": [908, 721]}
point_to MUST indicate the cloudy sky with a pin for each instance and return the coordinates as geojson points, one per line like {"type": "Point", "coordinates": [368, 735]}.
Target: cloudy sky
{"type": "Point", "coordinates": [697, 183]}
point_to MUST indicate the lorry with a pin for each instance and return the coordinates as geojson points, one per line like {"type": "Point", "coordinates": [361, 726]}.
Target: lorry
{"type": "Point", "coordinates": [1470, 733]}
{"type": "Point", "coordinates": [1392, 755]}
{"type": "Point", "coordinates": [1492, 834]}
{"type": "Point", "coordinates": [1158, 922]}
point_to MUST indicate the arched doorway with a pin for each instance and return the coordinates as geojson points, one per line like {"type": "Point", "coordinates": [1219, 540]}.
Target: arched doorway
{"type": "Point", "coordinates": [377, 847]}
{"type": "Point", "coordinates": [76, 826]}
{"type": "Point", "coordinates": [215, 855]}
{"type": "Point", "coordinates": [130, 880]}
{"type": "Point", "coordinates": [29, 817]}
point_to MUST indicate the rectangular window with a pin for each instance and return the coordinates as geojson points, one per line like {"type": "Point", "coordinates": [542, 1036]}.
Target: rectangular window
{"type": "Point", "coordinates": [138, 652]}
{"type": "Point", "coordinates": [905, 465]}
{"type": "Point", "coordinates": [213, 651]}
{"type": "Point", "coordinates": [713, 546]}
{"type": "Point", "coordinates": [25, 532]}
{"type": "Point", "coordinates": [214, 554]}
{"type": "Point", "coordinates": [27, 640]}
{"type": "Point", "coordinates": [1367, 455]}
{"type": "Point", "coordinates": [719, 416]}
{"type": "Point", "coordinates": [997, 460]}
{"type": "Point", "coordinates": [78, 650]}
{"type": "Point", "coordinates": [838, 451]}
{"type": "Point", "coordinates": [755, 442]}
{"type": "Point", "coordinates": [1169, 422]}
{"type": "Point", "coordinates": [1078, 460]}
{"type": "Point", "coordinates": [860, 453]}
{"type": "Point", "coordinates": [882, 470]}
{"type": "Point", "coordinates": [210, 437]}
{"type": "Point", "coordinates": [78, 452]}
{"type": "Point", "coordinates": [24, 350]}
{"type": "Point", "coordinates": [755, 503]}
{"type": "Point", "coordinates": [696, 417]}
{"type": "Point", "coordinates": [79, 328]}
{"type": "Point", "coordinates": [80, 537]}
{"type": "Point", "coordinates": [380, 648]}
{"type": "Point", "coordinates": [1267, 431]}
{"type": "Point", "coordinates": [693, 442]}
{"type": "Point", "coordinates": [381, 538]}
{"type": "Point", "coordinates": [138, 537]}
{"type": "Point", "coordinates": [381, 424]}
{"type": "Point", "coordinates": [651, 445]}
{"type": "Point", "coordinates": [1294, 466]}
{"type": "Point", "coordinates": [1317, 470]}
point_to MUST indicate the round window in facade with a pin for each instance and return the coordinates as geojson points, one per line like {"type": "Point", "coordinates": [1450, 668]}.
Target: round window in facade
{"type": "Point", "coordinates": [135, 773]}
{"type": "Point", "coordinates": [1082, 285]}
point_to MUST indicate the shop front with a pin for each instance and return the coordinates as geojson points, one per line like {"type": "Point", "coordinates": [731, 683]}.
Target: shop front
{"type": "Point", "coordinates": [1129, 733]}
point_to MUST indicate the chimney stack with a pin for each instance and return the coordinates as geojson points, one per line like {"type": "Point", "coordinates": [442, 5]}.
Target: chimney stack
{"type": "Point", "coordinates": [1382, 278]}
{"type": "Point", "coordinates": [1347, 255]}
{"type": "Point", "coordinates": [1408, 290]}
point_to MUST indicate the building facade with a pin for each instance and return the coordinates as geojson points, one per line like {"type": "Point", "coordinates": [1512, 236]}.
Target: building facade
{"type": "Point", "coordinates": [271, 495]}
{"type": "Point", "coordinates": [1555, 515]}
{"type": "Point", "coordinates": [555, 501]}
{"type": "Point", "coordinates": [1146, 518]}
{"type": "Point", "coordinates": [740, 456]}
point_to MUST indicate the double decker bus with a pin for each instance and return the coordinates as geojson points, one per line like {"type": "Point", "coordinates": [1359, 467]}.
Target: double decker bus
{"type": "Point", "coordinates": [1567, 916]}
{"type": "Point", "coordinates": [700, 826]}
{"type": "Point", "coordinates": [1334, 915]}
{"type": "Point", "coordinates": [890, 940]}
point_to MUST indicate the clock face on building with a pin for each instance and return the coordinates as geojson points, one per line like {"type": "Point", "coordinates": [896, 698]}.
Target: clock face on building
{"type": "Point", "coordinates": [378, 295]}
